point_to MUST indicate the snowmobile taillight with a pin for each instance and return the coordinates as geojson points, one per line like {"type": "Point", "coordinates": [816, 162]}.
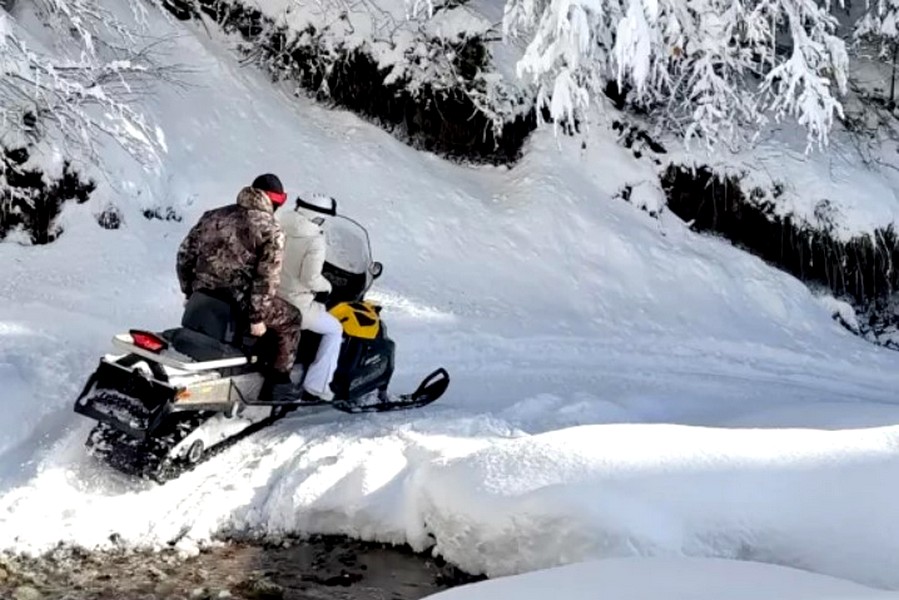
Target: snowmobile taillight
{"type": "Point", "coordinates": [148, 341]}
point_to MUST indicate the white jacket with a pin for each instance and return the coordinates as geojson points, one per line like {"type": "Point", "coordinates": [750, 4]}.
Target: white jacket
{"type": "Point", "coordinates": [304, 257]}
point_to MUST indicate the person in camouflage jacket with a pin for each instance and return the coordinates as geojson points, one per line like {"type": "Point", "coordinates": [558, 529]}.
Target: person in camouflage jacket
{"type": "Point", "coordinates": [239, 249]}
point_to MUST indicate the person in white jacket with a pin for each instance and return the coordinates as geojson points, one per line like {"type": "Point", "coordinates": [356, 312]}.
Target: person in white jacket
{"type": "Point", "coordinates": [301, 280]}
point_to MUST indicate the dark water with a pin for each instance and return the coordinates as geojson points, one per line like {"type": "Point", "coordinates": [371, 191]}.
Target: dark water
{"type": "Point", "coordinates": [333, 568]}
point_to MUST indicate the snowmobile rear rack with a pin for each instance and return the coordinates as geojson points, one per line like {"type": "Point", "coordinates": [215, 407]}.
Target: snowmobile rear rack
{"type": "Point", "coordinates": [176, 360]}
{"type": "Point", "coordinates": [124, 399]}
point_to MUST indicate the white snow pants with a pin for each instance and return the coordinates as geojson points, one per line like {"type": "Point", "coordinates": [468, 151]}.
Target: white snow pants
{"type": "Point", "coordinates": [321, 371]}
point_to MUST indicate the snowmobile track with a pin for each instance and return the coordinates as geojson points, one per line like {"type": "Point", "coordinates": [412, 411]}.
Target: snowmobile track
{"type": "Point", "coordinates": [165, 469]}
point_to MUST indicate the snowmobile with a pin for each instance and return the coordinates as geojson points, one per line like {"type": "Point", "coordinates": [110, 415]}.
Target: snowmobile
{"type": "Point", "coordinates": [169, 400]}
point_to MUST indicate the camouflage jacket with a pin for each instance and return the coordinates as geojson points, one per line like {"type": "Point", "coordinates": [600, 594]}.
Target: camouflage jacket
{"type": "Point", "coordinates": [238, 248]}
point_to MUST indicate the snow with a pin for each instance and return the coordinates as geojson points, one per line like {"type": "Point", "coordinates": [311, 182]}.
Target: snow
{"type": "Point", "coordinates": [834, 191]}
{"type": "Point", "coordinates": [665, 579]}
{"type": "Point", "coordinates": [410, 41]}
{"type": "Point", "coordinates": [594, 491]}
{"type": "Point", "coordinates": [374, 23]}
{"type": "Point", "coordinates": [848, 188]}
{"type": "Point", "coordinates": [842, 310]}
{"type": "Point", "coordinates": [621, 387]}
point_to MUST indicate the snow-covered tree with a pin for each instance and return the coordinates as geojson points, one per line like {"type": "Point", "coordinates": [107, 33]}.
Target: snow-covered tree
{"type": "Point", "coordinates": [881, 26]}
{"type": "Point", "coordinates": [881, 21]}
{"type": "Point", "coordinates": [710, 68]}
{"type": "Point", "coordinates": [83, 88]}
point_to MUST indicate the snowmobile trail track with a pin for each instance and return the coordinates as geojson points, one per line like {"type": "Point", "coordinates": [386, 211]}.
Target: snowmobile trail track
{"type": "Point", "coordinates": [164, 469]}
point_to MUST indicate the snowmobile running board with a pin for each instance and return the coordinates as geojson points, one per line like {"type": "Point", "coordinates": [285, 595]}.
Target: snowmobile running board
{"type": "Point", "coordinates": [123, 342]}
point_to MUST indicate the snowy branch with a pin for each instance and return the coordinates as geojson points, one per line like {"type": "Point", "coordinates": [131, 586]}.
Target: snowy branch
{"type": "Point", "coordinates": [85, 89]}
{"type": "Point", "coordinates": [712, 67]}
{"type": "Point", "coordinates": [881, 22]}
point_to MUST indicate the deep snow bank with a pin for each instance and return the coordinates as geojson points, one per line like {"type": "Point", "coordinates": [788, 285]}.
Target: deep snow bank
{"type": "Point", "coordinates": [810, 499]}
{"type": "Point", "coordinates": [665, 579]}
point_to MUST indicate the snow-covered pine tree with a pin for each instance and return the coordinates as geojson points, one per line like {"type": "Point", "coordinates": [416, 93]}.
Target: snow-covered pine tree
{"type": "Point", "coordinates": [711, 69]}
{"type": "Point", "coordinates": [880, 25]}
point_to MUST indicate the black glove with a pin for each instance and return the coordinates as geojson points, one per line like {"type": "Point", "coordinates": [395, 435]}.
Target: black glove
{"type": "Point", "coordinates": [321, 297]}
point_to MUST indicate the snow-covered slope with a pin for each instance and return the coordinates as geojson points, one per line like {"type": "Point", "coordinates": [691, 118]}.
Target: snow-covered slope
{"type": "Point", "coordinates": [575, 328]}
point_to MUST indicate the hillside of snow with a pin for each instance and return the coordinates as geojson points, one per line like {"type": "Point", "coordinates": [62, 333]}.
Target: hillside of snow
{"type": "Point", "coordinates": [620, 385]}
{"type": "Point", "coordinates": [848, 190]}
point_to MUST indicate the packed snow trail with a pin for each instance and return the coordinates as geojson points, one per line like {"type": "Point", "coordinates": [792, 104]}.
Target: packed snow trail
{"type": "Point", "coordinates": [576, 328]}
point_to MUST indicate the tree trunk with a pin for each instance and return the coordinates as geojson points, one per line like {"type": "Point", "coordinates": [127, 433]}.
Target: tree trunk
{"type": "Point", "coordinates": [893, 76]}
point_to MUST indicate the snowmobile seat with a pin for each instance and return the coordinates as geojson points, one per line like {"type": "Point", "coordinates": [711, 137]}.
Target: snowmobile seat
{"type": "Point", "coordinates": [199, 346]}
{"type": "Point", "coordinates": [214, 314]}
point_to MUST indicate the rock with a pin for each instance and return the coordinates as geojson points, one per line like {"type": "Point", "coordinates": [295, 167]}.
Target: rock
{"type": "Point", "coordinates": [167, 588]}
{"type": "Point", "coordinates": [157, 573]}
{"type": "Point", "coordinates": [344, 579]}
{"type": "Point", "coordinates": [4, 574]}
{"type": "Point", "coordinates": [200, 594]}
{"type": "Point", "coordinates": [224, 595]}
{"type": "Point", "coordinates": [26, 592]}
{"type": "Point", "coordinates": [261, 588]}
{"type": "Point", "coordinates": [28, 576]}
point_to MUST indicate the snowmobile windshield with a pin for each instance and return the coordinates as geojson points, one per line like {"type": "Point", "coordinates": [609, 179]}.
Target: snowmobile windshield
{"type": "Point", "coordinates": [348, 264]}
{"type": "Point", "coordinates": [348, 245]}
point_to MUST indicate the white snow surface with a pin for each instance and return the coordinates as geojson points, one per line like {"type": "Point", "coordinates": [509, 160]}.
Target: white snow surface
{"type": "Point", "coordinates": [621, 386]}
{"type": "Point", "coordinates": [666, 579]}
{"type": "Point", "coordinates": [833, 190]}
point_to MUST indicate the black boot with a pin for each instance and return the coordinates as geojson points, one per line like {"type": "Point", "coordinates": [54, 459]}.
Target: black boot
{"type": "Point", "coordinates": [279, 388]}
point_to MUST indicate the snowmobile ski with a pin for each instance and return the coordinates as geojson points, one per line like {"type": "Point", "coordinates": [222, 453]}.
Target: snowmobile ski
{"type": "Point", "coordinates": [430, 389]}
